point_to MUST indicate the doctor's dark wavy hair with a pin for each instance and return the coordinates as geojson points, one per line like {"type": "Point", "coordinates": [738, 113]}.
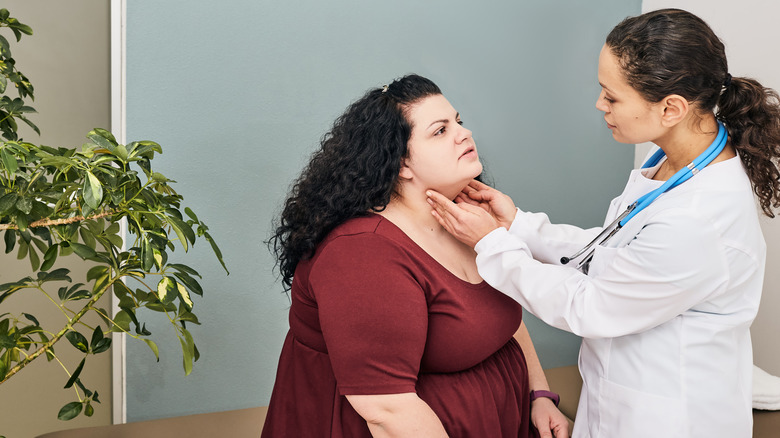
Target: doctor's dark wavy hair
{"type": "Point", "coordinates": [671, 51]}
{"type": "Point", "coordinates": [355, 170]}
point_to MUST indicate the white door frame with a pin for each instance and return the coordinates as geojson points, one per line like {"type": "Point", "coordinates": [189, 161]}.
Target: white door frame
{"type": "Point", "coordinates": [118, 100]}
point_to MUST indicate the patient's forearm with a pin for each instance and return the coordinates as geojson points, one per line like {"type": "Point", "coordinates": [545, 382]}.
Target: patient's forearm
{"type": "Point", "coordinates": [536, 377]}
{"type": "Point", "coordinates": [397, 415]}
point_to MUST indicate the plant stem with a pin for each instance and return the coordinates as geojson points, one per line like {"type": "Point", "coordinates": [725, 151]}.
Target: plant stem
{"type": "Point", "coordinates": [59, 306]}
{"type": "Point", "coordinates": [49, 222]}
{"type": "Point", "coordinates": [78, 396]}
{"type": "Point", "coordinates": [59, 335]}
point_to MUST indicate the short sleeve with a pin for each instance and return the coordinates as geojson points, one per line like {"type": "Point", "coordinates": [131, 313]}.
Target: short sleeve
{"type": "Point", "coordinates": [373, 314]}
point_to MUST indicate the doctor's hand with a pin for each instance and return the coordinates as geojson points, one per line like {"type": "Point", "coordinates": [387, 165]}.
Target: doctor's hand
{"type": "Point", "coordinates": [499, 205]}
{"type": "Point", "coordinates": [548, 420]}
{"type": "Point", "coordinates": [467, 222]}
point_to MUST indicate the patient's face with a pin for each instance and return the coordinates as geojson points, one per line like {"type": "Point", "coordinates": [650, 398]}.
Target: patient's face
{"type": "Point", "coordinates": [442, 153]}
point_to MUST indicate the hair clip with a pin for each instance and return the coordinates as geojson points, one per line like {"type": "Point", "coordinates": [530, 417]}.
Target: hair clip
{"type": "Point", "coordinates": [384, 88]}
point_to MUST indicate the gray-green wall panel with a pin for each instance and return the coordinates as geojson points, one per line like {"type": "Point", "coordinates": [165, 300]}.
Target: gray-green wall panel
{"type": "Point", "coordinates": [239, 92]}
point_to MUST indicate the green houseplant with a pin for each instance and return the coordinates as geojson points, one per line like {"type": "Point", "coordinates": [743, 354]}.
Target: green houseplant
{"type": "Point", "coordinates": [57, 202]}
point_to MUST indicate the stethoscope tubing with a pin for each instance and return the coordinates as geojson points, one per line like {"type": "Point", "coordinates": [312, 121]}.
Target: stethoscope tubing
{"type": "Point", "coordinates": [640, 204]}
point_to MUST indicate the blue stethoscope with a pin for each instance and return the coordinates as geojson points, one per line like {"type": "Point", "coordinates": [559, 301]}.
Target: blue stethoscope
{"type": "Point", "coordinates": [640, 204]}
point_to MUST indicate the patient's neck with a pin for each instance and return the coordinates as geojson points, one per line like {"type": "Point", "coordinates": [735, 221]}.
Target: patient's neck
{"type": "Point", "coordinates": [411, 212]}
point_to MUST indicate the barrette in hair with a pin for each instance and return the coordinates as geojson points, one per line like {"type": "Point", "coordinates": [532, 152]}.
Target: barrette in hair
{"type": "Point", "coordinates": [384, 88]}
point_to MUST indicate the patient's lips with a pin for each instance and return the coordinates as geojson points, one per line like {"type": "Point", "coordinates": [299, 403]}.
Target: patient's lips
{"type": "Point", "coordinates": [471, 152]}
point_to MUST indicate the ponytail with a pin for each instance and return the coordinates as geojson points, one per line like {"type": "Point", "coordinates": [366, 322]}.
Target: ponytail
{"type": "Point", "coordinates": [751, 114]}
{"type": "Point", "coordinates": [671, 51]}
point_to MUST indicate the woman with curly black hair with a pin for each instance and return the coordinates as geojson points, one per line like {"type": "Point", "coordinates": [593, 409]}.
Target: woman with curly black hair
{"type": "Point", "coordinates": [664, 294]}
{"type": "Point", "coordinates": [392, 330]}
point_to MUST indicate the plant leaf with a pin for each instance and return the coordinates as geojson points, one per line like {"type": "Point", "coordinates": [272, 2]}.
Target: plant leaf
{"type": "Point", "coordinates": [9, 162]}
{"type": "Point", "coordinates": [21, 222]}
{"type": "Point", "coordinates": [35, 261]}
{"type": "Point", "coordinates": [10, 240]}
{"type": "Point", "coordinates": [87, 237]}
{"type": "Point", "coordinates": [216, 250]}
{"type": "Point", "coordinates": [191, 214]}
{"type": "Point", "coordinates": [97, 336]}
{"type": "Point", "coordinates": [184, 296]}
{"type": "Point", "coordinates": [102, 138]}
{"type": "Point", "coordinates": [60, 274]}
{"type": "Point", "coordinates": [97, 272]}
{"type": "Point", "coordinates": [70, 411]}
{"type": "Point", "coordinates": [24, 205]}
{"type": "Point", "coordinates": [92, 191]}
{"type": "Point", "coordinates": [184, 268]}
{"type": "Point", "coordinates": [103, 345]}
{"type": "Point", "coordinates": [76, 373]}
{"type": "Point", "coordinates": [147, 255]}
{"type": "Point", "coordinates": [188, 351]}
{"type": "Point", "coordinates": [77, 340]}
{"type": "Point", "coordinates": [166, 290]}
{"type": "Point", "coordinates": [3, 369]}
{"type": "Point", "coordinates": [50, 257]}
{"type": "Point", "coordinates": [31, 318]}
{"type": "Point", "coordinates": [190, 282]}
{"type": "Point", "coordinates": [82, 251]}
{"type": "Point", "coordinates": [122, 320]}
{"type": "Point", "coordinates": [154, 348]}
{"type": "Point", "coordinates": [8, 201]}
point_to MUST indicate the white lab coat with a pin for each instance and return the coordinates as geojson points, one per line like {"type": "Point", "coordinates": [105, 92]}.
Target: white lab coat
{"type": "Point", "coordinates": [664, 311]}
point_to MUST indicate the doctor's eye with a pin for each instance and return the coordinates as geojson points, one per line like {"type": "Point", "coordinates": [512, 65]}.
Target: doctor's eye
{"type": "Point", "coordinates": [460, 122]}
{"type": "Point", "coordinates": [608, 99]}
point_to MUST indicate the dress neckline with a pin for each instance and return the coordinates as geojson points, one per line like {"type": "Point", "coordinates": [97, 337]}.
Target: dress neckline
{"type": "Point", "coordinates": [425, 253]}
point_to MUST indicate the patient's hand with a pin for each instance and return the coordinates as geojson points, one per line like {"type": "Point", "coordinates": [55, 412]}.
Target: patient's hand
{"type": "Point", "coordinates": [548, 420]}
{"type": "Point", "coordinates": [467, 221]}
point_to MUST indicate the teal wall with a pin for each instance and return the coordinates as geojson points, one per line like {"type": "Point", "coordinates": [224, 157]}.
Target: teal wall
{"type": "Point", "coordinates": [239, 92]}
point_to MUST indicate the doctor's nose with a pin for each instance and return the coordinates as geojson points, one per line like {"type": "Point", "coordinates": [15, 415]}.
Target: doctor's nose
{"type": "Point", "coordinates": [601, 103]}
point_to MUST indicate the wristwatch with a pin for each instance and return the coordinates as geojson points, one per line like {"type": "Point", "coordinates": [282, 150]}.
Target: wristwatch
{"type": "Point", "coordinates": [549, 394]}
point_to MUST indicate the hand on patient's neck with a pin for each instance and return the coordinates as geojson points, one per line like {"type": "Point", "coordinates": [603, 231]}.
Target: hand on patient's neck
{"type": "Point", "coordinates": [411, 209]}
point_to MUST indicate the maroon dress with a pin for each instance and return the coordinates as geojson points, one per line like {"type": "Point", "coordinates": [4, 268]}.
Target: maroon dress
{"type": "Point", "coordinates": [372, 313]}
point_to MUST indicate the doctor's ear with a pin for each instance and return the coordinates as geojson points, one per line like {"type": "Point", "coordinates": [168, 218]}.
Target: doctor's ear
{"type": "Point", "coordinates": [675, 108]}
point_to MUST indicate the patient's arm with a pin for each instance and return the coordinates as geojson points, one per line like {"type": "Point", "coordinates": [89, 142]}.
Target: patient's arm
{"type": "Point", "coordinates": [544, 414]}
{"type": "Point", "coordinates": [397, 415]}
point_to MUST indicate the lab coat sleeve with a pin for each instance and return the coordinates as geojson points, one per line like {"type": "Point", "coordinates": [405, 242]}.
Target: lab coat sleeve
{"type": "Point", "coordinates": [549, 242]}
{"type": "Point", "coordinates": [672, 264]}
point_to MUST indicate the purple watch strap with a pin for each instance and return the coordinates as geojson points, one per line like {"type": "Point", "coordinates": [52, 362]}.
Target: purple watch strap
{"type": "Point", "coordinates": [549, 394]}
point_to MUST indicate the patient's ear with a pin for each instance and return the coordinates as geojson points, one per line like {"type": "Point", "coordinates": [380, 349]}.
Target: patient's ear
{"type": "Point", "coordinates": [405, 172]}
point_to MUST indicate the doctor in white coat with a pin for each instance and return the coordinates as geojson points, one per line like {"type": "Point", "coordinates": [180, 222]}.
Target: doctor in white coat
{"type": "Point", "coordinates": [664, 304]}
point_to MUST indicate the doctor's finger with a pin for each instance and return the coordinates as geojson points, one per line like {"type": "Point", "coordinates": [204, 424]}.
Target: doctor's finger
{"type": "Point", "coordinates": [479, 185]}
{"type": "Point", "coordinates": [440, 203]}
{"type": "Point", "coordinates": [464, 198]}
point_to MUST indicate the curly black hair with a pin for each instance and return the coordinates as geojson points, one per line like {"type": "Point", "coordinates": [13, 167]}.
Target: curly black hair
{"type": "Point", "coordinates": [671, 51]}
{"type": "Point", "coordinates": [354, 172]}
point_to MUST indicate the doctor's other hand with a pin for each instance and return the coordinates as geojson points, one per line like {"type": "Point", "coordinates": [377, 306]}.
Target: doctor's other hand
{"type": "Point", "coordinates": [499, 205]}
{"type": "Point", "coordinates": [548, 420]}
{"type": "Point", "coordinates": [467, 222]}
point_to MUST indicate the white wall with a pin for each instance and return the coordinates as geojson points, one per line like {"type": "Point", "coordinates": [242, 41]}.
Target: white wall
{"type": "Point", "coordinates": [749, 30]}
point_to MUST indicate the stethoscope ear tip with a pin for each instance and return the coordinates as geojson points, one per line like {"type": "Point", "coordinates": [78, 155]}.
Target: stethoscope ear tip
{"type": "Point", "coordinates": [565, 260]}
